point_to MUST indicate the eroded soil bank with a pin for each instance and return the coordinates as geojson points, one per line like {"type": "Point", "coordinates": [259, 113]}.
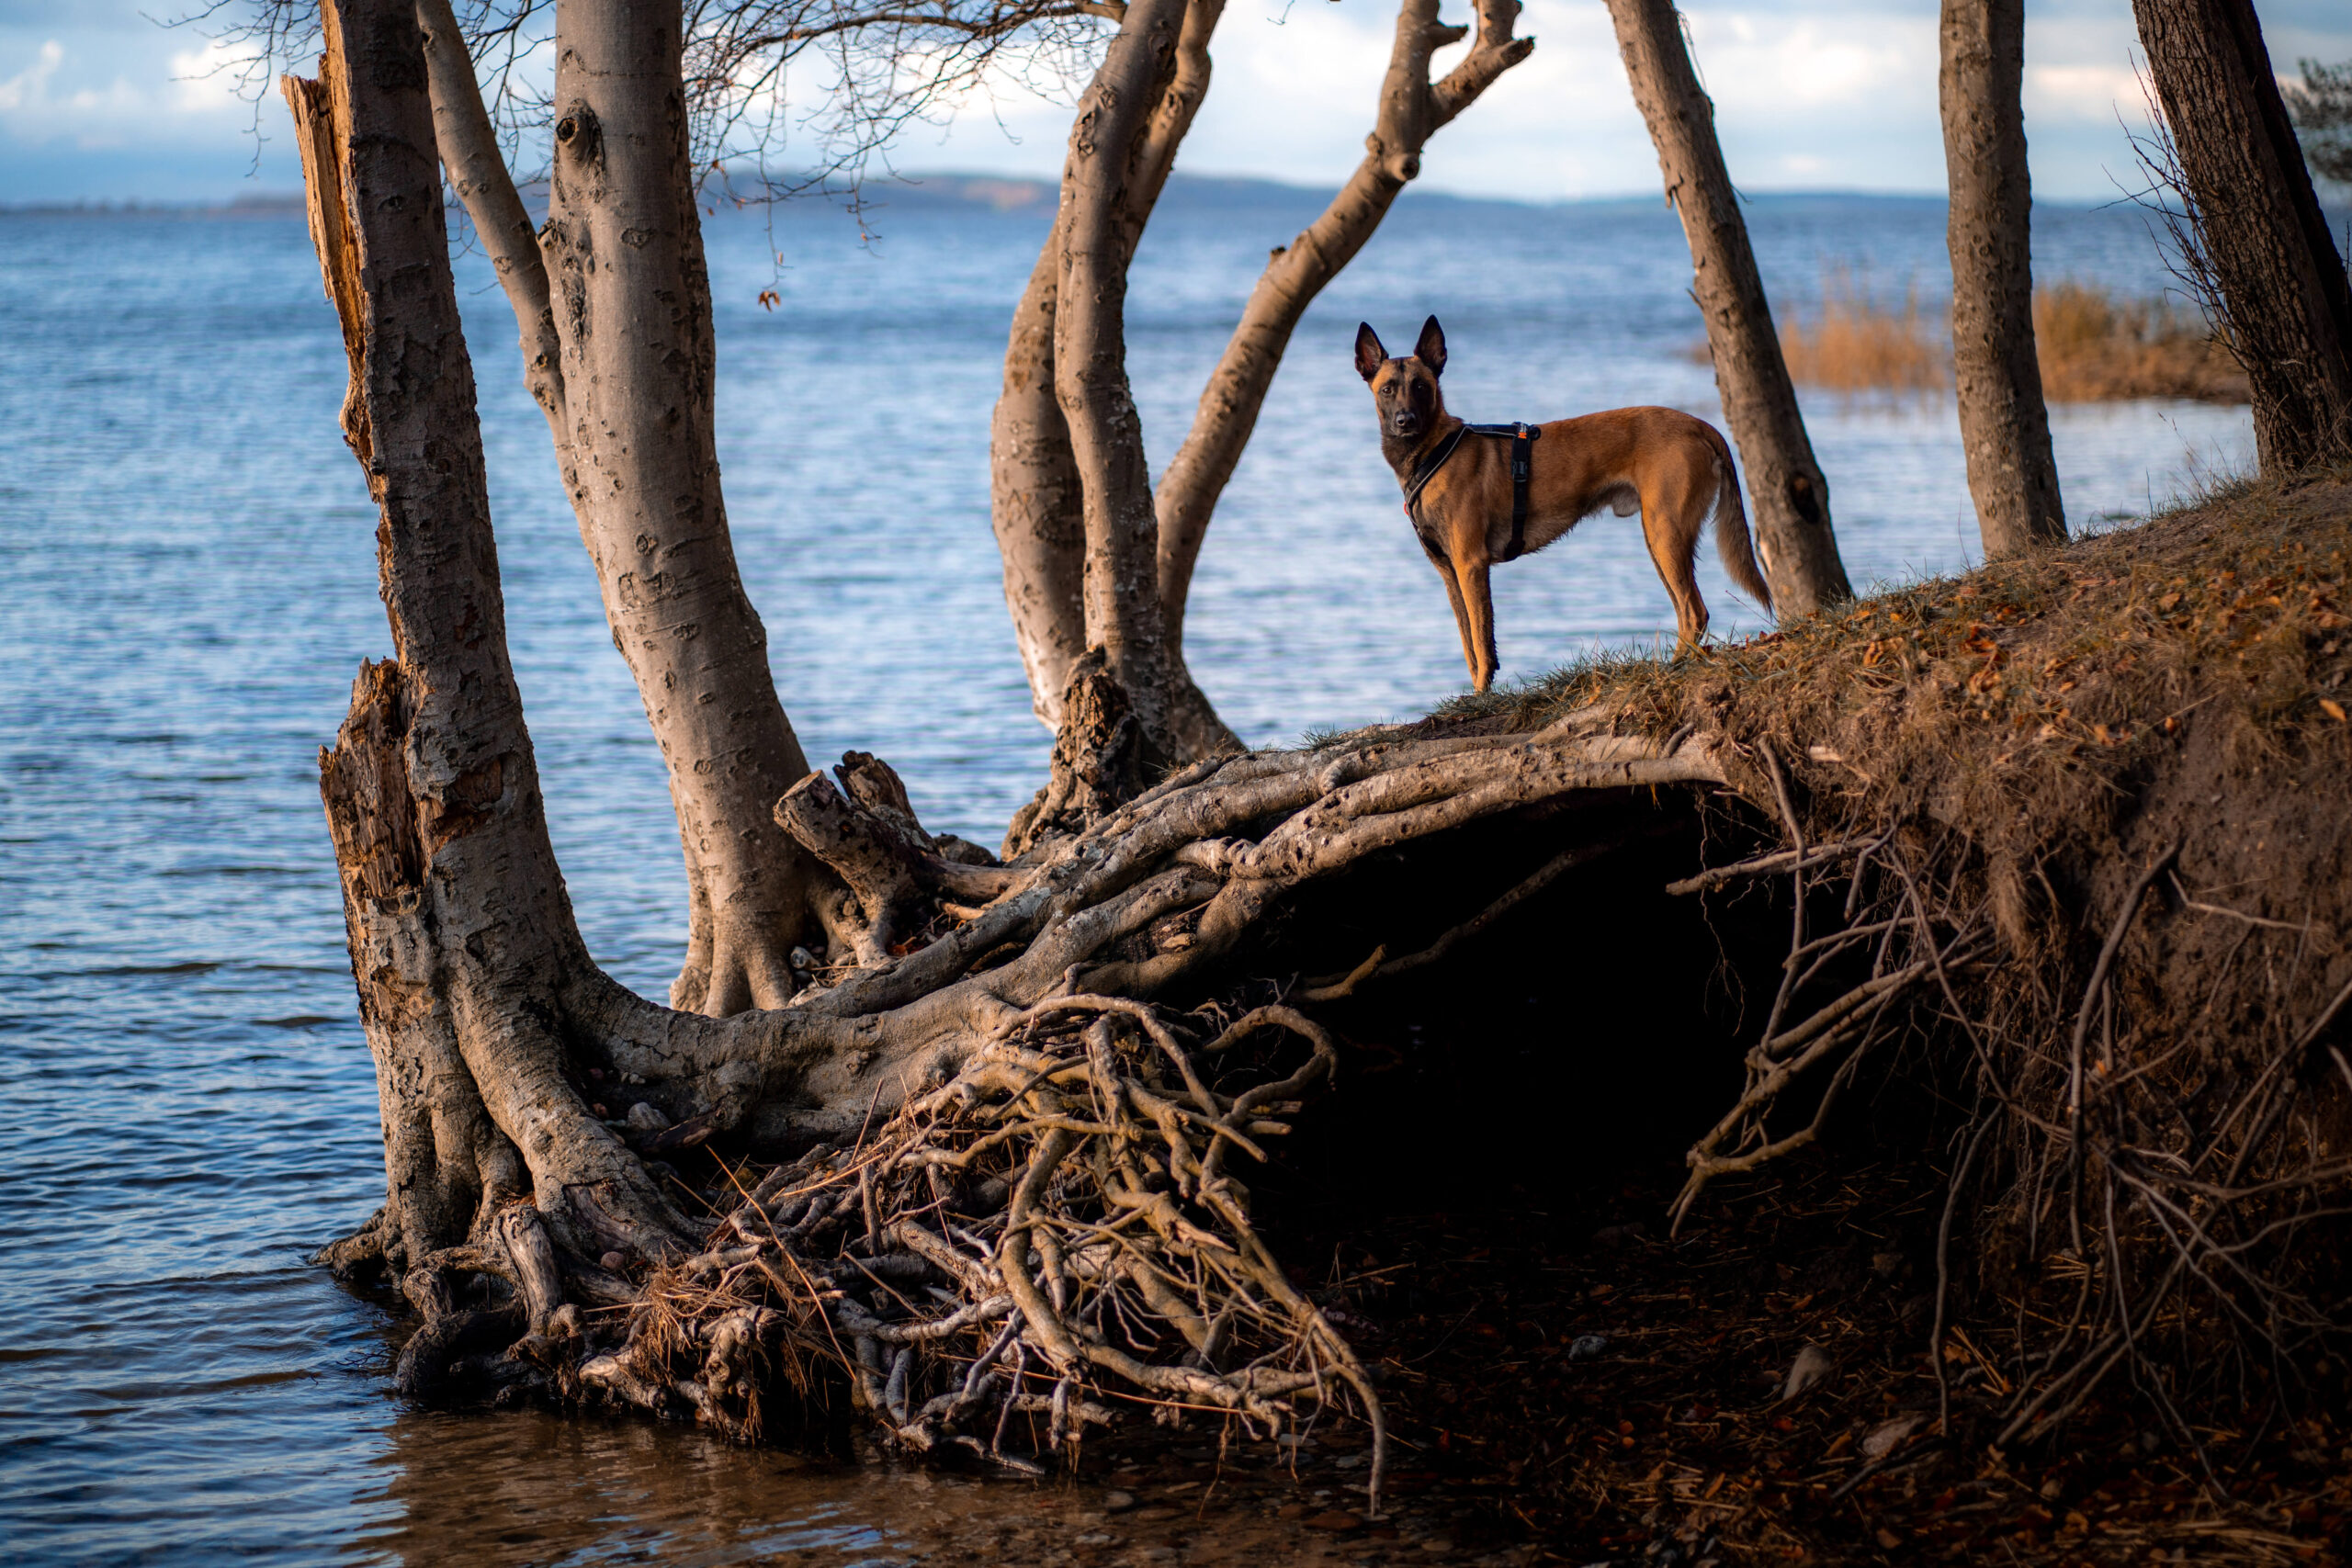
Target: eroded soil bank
{"type": "Point", "coordinates": [2105, 793]}
{"type": "Point", "coordinates": [2129, 758]}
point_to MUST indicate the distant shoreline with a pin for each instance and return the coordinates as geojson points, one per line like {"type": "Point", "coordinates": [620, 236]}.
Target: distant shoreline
{"type": "Point", "coordinates": [1003, 194]}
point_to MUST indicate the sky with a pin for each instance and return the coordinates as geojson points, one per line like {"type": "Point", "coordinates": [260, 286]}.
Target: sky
{"type": "Point", "coordinates": [101, 103]}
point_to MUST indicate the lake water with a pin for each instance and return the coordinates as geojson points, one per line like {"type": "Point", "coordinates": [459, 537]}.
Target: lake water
{"type": "Point", "coordinates": [187, 563]}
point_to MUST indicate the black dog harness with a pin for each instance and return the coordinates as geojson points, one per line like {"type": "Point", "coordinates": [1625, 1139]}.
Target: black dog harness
{"type": "Point", "coordinates": [1522, 466]}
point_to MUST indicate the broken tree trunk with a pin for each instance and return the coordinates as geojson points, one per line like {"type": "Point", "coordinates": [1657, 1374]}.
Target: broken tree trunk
{"type": "Point", "coordinates": [458, 921]}
{"type": "Point", "coordinates": [2284, 295]}
{"type": "Point", "coordinates": [1788, 496]}
{"type": "Point", "coordinates": [1412, 108]}
{"type": "Point", "coordinates": [2003, 423]}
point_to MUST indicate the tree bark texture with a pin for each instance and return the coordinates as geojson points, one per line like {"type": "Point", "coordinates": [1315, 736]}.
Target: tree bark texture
{"type": "Point", "coordinates": [1121, 587]}
{"type": "Point", "coordinates": [2003, 423]}
{"type": "Point", "coordinates": [1036, 497]}
{"type": "Point", "coordinates": [1788, 495]}
{"type": "Point", "coordinates": [632, 297]}
{"type": "Point", "coordinates": [2266, 239]}
{"type": "Point", "coordinates": [456, 911]}
{"type": "Point", "coordinates": [1411, 110]}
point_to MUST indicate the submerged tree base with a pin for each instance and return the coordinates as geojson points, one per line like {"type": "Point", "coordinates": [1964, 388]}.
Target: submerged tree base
{"type": "Point", "coordinates": [2047, 865]}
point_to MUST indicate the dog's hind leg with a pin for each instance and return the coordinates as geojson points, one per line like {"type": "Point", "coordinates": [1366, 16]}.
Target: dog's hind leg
{"type": "Point", "coordinates": [1474, 604]}
{"type": "Point", "coordinates": [1674, 509]}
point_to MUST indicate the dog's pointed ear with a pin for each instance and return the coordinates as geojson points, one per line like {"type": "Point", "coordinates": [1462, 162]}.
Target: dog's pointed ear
{"type": "Point", "coordinates": [1370, 356]}
{"type": "Point", "coordinates": [1431, 349]}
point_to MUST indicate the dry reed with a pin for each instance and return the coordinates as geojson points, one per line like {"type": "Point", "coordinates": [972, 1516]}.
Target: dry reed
{"type": "Point", "coordinates": [2093, 346]}
{"type": "Point", "coordinates": [1856, 343]}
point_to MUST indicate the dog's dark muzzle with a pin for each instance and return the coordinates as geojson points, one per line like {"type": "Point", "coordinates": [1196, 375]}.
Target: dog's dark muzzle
{"type": "Point", "coordinates": [1407, 424]}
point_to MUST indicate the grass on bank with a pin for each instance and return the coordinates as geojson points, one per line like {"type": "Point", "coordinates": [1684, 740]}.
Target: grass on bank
{"type": "Point", "coordinates": [2094, 347]}
{"type": "Point", "coordinates": [2048, 661]}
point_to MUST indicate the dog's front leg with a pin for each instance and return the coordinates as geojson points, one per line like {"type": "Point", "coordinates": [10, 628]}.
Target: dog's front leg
{"type": "Point", "coordinates": [1474, 605]}
{"type": "Point", "coordinates": [1461, 610]}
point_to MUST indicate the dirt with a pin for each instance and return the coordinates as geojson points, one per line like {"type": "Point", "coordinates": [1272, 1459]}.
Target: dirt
{"type": "Point", "coordinates": [2040, 735]}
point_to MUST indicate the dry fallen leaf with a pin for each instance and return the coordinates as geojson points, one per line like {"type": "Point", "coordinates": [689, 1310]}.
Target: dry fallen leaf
{"type": "Point", "coordinates": [1812, 1365]}
{"type": "Point", "coordinates": [1882, 1440]}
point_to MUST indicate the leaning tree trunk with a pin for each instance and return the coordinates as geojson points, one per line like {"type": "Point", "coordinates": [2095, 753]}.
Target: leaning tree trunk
{"type": "Point", "coordinates": [624, 375]}
{"type": "Point", "coordinates": [478, 172]}
{"type": "Point", "coordinates": [1121, 587]}
{"type": "Point", "coordinates": [1412, 108]}
{"type": "Point", "coordinates": [1789, 498]}
{"type": "Point", "coordinates": [2003, 423]}
{"type": "Point", "coordinates": [1036, 499]}
{"type": "Point", "coordinates": [2266, 242]}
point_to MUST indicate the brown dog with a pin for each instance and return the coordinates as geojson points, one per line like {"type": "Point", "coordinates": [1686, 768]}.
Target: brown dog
{"type": "Point", "coordinates": [1471, 510]}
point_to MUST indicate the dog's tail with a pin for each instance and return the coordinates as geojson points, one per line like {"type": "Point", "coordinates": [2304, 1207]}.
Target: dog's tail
{"type": "Point", "coordinates": [1732, 542]}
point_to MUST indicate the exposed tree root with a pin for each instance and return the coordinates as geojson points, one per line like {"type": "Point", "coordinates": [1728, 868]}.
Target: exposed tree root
{"type": "Point", "coordinates": [1003, 1205]}
{"type": "Point", "coordinates": [1052, 1230]}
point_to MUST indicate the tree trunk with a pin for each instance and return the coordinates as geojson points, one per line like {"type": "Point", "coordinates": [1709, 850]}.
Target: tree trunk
{"type": "Point", "coordinates": [1036, 499]}
{"type": "Point", "coordinates": [2265, 238]}
{"type": "Point", "coordinates": [1412, 110]}
{"type": "Point", "coordinates": [1120, 590]}
{"type": "Point", "coordinates": [1788, 495]}
{"type": "Point", "coordinates": [460, 928]}
{"type": "Point", "coordinates": [2003, 422]}
{"type": "Point", "coordinates": [1034, 496]}
{"type": "Point", "coordinates": [624, 247]}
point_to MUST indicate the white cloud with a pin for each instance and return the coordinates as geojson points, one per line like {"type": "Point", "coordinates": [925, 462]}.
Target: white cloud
{"type": "Point", "coordinates": [66, 95]}
{"type": "Point", "coordinates": [206, 79]}
{"type": "Point", "coordinates": [1770, 64]}
{"type": "Point", "coordinates": [2082, 92]}
{"type": "Point", "coordinates": [30, 85]}
{"type": "Point", "coordinates": [1819, 94]}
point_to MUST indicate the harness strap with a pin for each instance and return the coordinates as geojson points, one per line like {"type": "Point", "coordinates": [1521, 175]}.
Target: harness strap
{"type": "Point", "coordinates": [1428, 471]}
{"type": "Point", "coordinates": [1522, 438]}
{"type": "Point", "coordinates": [1522, 468]}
